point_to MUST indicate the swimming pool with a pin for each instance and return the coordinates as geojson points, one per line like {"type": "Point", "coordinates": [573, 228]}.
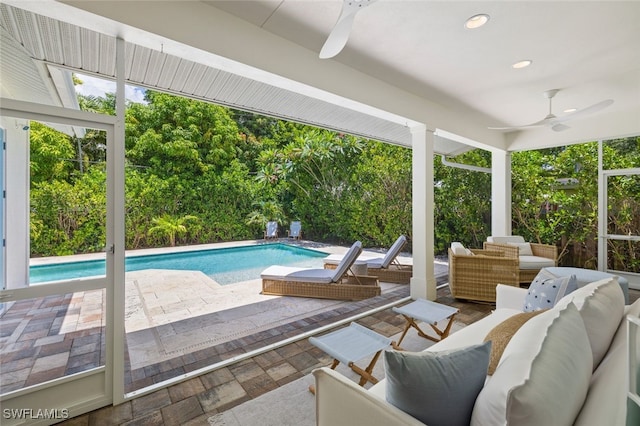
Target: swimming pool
{"type": "Point", "coordinates": [224, 265]}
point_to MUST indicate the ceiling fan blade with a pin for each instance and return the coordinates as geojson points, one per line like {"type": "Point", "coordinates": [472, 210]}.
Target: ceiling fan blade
{"type": "Point", "coordinates": [340, 33]}
{"type": "Point", "coordinates": [526, 126]}
{"type": "Point", "coordinates": [586, 111]}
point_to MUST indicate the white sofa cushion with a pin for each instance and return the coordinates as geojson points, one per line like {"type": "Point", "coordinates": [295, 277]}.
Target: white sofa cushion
{"type": "Point", "coordinates": [543, 376]}
{"type": "Point", "coordinates": [606, 402]}
{"type": "Point", "coordinates": [601, 305]}
{"type": "Point", "coordinates": [501, 335]}
{"type": "Point", "coordinates": [437, 388]}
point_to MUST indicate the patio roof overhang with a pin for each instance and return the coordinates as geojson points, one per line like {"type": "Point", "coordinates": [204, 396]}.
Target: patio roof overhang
{"type": "Point", "coordinates": [263, 56]}
{"type": "Point", "coordinates": [39, 53]}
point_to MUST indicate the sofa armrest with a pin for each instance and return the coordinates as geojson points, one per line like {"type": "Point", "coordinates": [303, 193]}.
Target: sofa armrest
{"type": "Point", "coordinates": [510, 297]}
{"type": "Point", "coordinates": [341, 402]}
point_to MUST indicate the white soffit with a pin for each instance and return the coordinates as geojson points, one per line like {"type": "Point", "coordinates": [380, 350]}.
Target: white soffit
{"type": "Point", "coordinates": [83, 50]}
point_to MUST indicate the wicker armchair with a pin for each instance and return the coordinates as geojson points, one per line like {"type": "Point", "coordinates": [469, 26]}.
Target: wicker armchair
{"type": "Point", "coordinates": [540, 255]}
{"type": "Point", "coordinates": [475, 276]}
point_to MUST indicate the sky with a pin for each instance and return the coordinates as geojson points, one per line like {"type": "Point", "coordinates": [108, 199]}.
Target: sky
{"type": "Point", "coordinates": [98, 87]}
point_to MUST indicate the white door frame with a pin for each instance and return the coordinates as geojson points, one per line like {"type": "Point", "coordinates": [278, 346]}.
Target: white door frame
{"type": "Point", "coordinates": [603, 232]}
{"type": "Point", "coordinates": [88, 390]}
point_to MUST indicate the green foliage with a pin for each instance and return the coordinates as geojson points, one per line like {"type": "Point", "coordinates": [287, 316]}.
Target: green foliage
{"type": "Point", "coordinates": [462, 210]}
{"type": "Point", "coordinates": [51, 154]}
{"type": "Point", "coordinates": [69, 219]}
{"type": "Point", "coordinates": [555, 201]}
{"type": "Point", "coordinates": [199, 173]}
{"type": "Point", "coordinates": [170, 227]}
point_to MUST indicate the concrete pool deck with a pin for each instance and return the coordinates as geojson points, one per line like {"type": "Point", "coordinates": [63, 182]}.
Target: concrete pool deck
{"type": "Point", "coordinates": [175, 321]}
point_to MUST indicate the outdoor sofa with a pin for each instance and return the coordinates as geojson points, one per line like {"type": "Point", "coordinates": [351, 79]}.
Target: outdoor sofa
{"type": "Point", "coordinates": [319, 282]}
{"type": "Point", "coordinates": [567, 365]}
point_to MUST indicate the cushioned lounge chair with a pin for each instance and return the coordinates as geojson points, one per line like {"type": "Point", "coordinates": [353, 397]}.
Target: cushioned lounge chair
{"type": "Point", "coordinates": [386, 268]}
{"type": "Point", "coordinates": [321, 283]}
{"type": "Point", "coordinates": [532, 257]}
{"type": "Point", "coordinates": [271, 231]}
{"type": "Point", "coordinates": [295, 230]}
{"type": "Point", "coordinates": [474, 274]}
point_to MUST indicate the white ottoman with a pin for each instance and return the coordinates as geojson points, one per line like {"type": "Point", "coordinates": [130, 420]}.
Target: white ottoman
{"type": "Point", "coordinates": [586, 276]}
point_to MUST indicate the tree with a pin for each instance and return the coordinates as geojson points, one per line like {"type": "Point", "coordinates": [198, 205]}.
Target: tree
{"type": "Point", "coordinates": [179, 136]}
{"type": "Point", "coordinates": [170, 227]}
{"type": "Point", "coordinates": [462, 202]}
{"type": "Point", "coordinates": [51, 154]}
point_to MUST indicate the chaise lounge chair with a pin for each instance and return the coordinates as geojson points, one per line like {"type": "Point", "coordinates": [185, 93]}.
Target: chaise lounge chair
{"type": "Point", "coordinates": [295, 230]}
{"type": "Point", "coordinates": [271, 230]}
{"type": "Point", "coordinates": [321, 283]}
{"type": "Point", "coordinates": [386, 268]}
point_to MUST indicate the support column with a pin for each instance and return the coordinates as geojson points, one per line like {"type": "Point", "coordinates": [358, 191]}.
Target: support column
{"type": "Point", "coordinates": [116, 234]}
{"type": "Point", "coordinates": [17, 202]}
{"type": "Point", "coordinates": [500, 193]}
{"type": "Point", "coordinates": [423, 282]}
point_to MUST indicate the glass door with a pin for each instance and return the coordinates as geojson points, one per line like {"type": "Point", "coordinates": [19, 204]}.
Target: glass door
{"type": "Point", "coordinates": [58, 327]}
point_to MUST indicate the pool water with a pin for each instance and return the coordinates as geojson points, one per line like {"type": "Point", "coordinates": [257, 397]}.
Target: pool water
{"type": "Point", "coordinates": [225, 265]}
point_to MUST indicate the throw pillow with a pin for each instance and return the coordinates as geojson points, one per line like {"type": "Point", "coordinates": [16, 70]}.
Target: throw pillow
{"type": "Point", "coordinates": [437, 388]}
{"type": "Point", "coordinates": [502, 333]}
{"type": "Point", "coordinates": [543, 377]}
{"type": "Point", "coordinates": [525, 249]}
{"type": "Point", "coordinates": [458, 249]}
{"type": "Point", "coordinates": [601, 305]}
{"type": "Point", "coordinates": [546, 290]}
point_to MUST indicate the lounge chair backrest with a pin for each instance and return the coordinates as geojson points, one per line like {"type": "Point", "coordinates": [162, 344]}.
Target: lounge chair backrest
{"type": "Point", "coordinates": [347, 260]}
{"type": "Point", "coordinates": [272, 228]}
{"type": "Point", "coordinates": [295, 228]}
{"type": "Point", "coordinates": [394, 251]}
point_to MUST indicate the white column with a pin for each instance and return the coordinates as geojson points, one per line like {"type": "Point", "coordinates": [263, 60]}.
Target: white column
{"type": "Point", "coordinates": [17, 207]}
{"type": "Point", "coordinates": [116, 234]}
{"type": "Point", "coordinates": [500, 192]}
{"type": "Point", "coordinates": [602, 212]}
{"type": "Point", "coordinates": [423, 282]}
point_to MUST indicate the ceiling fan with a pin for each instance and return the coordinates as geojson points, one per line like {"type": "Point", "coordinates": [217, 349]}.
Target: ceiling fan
{"type": "Point", "coordinates": [557, 123]}
{"type": "Point", "coordinates": [340, 33]}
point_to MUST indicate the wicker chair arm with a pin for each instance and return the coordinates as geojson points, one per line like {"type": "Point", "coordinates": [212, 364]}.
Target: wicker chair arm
{"type": "Point", "coordinates": [545, 250]}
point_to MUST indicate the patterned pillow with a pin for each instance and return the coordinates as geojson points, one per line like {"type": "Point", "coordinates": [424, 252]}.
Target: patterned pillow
{"type": "Point", "coordinates": [546, 290]}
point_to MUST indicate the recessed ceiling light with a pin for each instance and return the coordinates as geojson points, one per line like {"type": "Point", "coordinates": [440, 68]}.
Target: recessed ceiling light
{"type": "Point", "coordinates": [522, 64]}
{"type": "Point", "coordinates": [476, 21]}
{"type": "Point", "coordinates": [570, 110]}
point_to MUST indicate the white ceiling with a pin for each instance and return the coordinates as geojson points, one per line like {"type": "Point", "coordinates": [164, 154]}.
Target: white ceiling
{"type": "Point", "coordinates": [590, 50]}
{"type": "Point", "coordinates": [406, 62]}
